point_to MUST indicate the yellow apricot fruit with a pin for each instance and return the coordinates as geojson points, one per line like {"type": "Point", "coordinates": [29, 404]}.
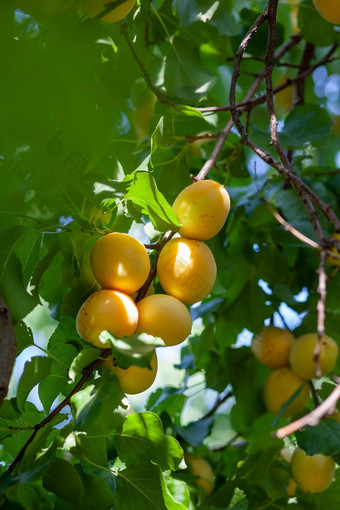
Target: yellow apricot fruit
{"type": "Point", "coordinates": [329, 10]}
{"type": "Point", "coordinates": [202, 470]}
{"type": "Point", "coordinates": [202, 209]}
{"type": "Point", "coordinates": [134, 379]}
{"type": "Point", "coordinates": [165, 317]}
{"type": "Point", "coordinates": [186, 269]}
{"type": "Point", "coordinates": [291, 488]}
{"type": "Point", "coordinates": [280, 386]}
{"type": "Point", "coordinates": [120, 262]}
{"type": "Point", "coordinates": [334, 260]}
{"type": "Point", "coordinates": [312, 473]}
{"type": "Point", "coordinates": [272, 346]}
{"type": "Point", "coordinates": [106, 310]}
{"type": "Point", "coordinates": [301, 356]}
{"type": "Point", "coordinates": [94, 8]}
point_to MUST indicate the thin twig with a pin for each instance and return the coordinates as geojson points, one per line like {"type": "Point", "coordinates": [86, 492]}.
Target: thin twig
{"type": "Point", "coordinates": [143, 290]}
{"type": "Point", "coordinates": [260, 99]}
{"type": "Point", "coordinates": [289, 228]}
{"type": "Point", "coordinates": [313, 418]}
{"type": "Point", "coordinates": [321, 310]}
{"type": "Point", "coordinates": [162, 97]}
{"type": "Point", "coordinates": [62, 404]}
{"type": "Point", "coordinates": [306, 194]}
{"type": "Point", "coordinates": [219, 401]}
{"type": "Point", "coordinates": [314, 394]}
{"type": "Point", "coordinates": [308, 53]}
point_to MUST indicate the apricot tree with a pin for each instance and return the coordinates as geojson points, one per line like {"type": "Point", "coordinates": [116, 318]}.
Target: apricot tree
{"type": "Point", "coordinates": [170, 234]}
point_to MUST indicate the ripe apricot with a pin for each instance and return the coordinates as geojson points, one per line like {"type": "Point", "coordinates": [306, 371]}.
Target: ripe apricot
{"type": "Point", "coordinates": [134, 379]}
{"type": "Point", "coordinates": [202, 209]}
{"type": "Point", "coordinates": [329, 10]}
{"type": "Point", "coordinates": [94, 7]}
{"type": "Point", "coordinates": [203, 470]}
{"type": "Point", "coordinates": [165, 317]}
{"type": "Point", "coordinates": [280, 386]}
{"type": "Point", "coordinates": [186, 269]}
{"type": "Point", "coordinates": [272, 346]}
{"type": "Point", "coordinates": [302, 359]}
{"type": "Point", "coordinates": [120, 262]}
{"type": "Point", "coordinates": [312, 473]}
{"type": "Point", "coordinates": [108, 310]}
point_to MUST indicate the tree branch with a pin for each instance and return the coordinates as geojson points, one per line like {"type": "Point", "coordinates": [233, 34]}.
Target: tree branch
{"type": "Point", "coordinates": [90, 369]}
{"type": "Point", "coordinates": [8, 348]}
{"type": "Point", "coordinates": [321, 310]}
{"type": "Point", "coordinates": [313, 418]}
{"type": "Point", "coordinates": [289, 228]}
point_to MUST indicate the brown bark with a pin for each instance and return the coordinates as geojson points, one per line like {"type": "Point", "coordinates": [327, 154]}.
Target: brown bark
{"type": "Point", "coordinates": [8, 347]}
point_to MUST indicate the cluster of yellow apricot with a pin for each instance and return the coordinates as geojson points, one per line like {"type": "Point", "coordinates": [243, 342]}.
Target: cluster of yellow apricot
{"type": "Point", "coordinates": [293, 364]}
{"type": "Point", "coordinates": [186, 269]}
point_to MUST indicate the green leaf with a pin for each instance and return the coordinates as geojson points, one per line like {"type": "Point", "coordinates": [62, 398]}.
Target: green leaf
{"type": "Point", "coordinates": [34, 371]}
{"type": "Point", "coordinates": [195, 433]}
{"type": "Point", "coordinates": [19, 301]}
{"type": "Point", "coordinates": [323, 438]}
{"type": "Point", "coordinates": [136, 349]}
{"type": "Point", "coordinates": [95, 406]}
{"type": "Point", "coordinates": [84, 358]}
{"type": "Point", "coordinates": [142, 437]}
{"type": "Point", "coordinates": [62, 479]}
{"type": "Point", "coordinates": [24, 336]}
{"type": "Point", "coordinates": [141, 486]}
{"type": "Point", "coordinates": [143, 192]}
{"type": "Point", "coordinates": [306, 124]}
{"type": "Point", "coordinates": [89, 449]}
{"type": "Point", "coordinates": [314, 28]}
{"type": "Point", "coordinates": [97, 493]}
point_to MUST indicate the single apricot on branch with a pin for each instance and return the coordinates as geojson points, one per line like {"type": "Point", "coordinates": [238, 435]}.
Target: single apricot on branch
{"type": "Point", "coordinates": [165, 317]}
{"type": "Point", "coordinates": [115, 13]}
{"type": "Point", "coordinates": [301, 356]}
{"type": "Point", "coordinates": [312, 473]}
{"type": "Point", "coordinates": [134, 379]}
{"type": "Point", "coordinates": [186, 269]}
{"type": "Point", "coordinates": [120, 262]}
{"type": "Point", "coordinates": [280, 386]}
{"type": "Point", "coordinates": [106, 310]}
{"type": "Point", "coordinates": [272, 346]}
{"type": "Point", "coordinates": [202, 209]}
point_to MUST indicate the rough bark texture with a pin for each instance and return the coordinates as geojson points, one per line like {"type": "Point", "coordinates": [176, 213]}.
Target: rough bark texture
{"type": "Point", "coordinates": [8, 347]}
